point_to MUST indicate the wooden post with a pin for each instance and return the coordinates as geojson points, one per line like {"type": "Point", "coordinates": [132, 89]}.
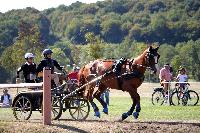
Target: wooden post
{"type": "Point", "coordinates": [46, 96]}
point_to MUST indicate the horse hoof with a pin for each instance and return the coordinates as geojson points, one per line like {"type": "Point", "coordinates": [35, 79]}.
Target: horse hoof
{"type": "Point", "coordinates": [135, 115]}
{"type": "Point", "coordinates": [97, 114]}
{"type": "Point", "coordinates": [105, 110]}
{"type": "Point", "coordinates": [124, 116]}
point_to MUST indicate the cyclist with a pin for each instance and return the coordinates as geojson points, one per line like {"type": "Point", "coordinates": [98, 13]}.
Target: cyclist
{"type": "Point", "coordinates": [29, 69]}
{"type": "Point", "coordinates": [50, 63]}
{"type": "Point", "coordinates": [182, 77]}
{"type": "Point", "coordinates": [165, 76]}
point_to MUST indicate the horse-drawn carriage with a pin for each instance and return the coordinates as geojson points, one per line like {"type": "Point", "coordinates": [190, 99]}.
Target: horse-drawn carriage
{"type": "Point", "coordinates": [62, 99]}
{"type": "Point", "coordinates": [128, 78]}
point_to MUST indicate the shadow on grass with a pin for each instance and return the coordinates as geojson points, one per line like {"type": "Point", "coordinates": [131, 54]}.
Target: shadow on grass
{"type": "Point", "coordinates": [144, 122]}
{"type": "Point", "coordinates": [71, 128]}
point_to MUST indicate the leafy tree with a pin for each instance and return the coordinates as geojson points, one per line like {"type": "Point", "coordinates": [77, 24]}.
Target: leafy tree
{"type": "Point", "coordinates": [136, 33]}
{"type": "Point", "coordinates": [95, 48]}
{"type": "Point", "coordinates": [60, 56]}
{"type": "Point", "coordinates": [156, 6]}
{"type": "Point", "coordinates": [111, 31]}
{"type": "Point", "coordinates": [168, 53]}
{"type": "Point", "coordinates": [28, 41]}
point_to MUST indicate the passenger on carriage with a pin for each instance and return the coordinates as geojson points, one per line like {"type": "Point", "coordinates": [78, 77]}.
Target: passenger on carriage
{"type": "Point", "coordinates": [73, 76]}
{"type": "Point", "coordinates": [29, 69]}
{"type": "Point", "coordinates": [50, 63]}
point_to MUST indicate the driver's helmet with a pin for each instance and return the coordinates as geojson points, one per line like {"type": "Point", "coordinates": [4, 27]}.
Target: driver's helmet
{"type": "Point", "coordinates": [47, 51]}
{"type": "Point", "coordinates": [28, 55]}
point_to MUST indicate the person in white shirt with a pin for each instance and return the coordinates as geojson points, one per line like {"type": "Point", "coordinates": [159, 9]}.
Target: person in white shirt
{"type": "Point", "coordinates": [182, 77]}
{"type": "Point", "coordinates": [6, 99]}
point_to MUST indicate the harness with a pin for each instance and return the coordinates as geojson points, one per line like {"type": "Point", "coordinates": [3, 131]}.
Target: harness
{"type": "Point", "coordinates": [133, 74]}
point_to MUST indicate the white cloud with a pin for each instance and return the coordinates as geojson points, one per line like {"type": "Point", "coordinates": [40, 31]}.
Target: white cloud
{"type": "Point", "coordinates": [6, 5]}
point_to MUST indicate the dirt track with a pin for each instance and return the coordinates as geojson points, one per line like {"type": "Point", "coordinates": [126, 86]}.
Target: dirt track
{"type": "Point", "coordinates": [105, 125]}
{"type": "Point", "coordinates": [101, 126]}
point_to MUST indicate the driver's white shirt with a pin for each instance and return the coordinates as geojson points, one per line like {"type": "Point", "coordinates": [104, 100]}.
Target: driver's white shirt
{"type": "Point", "coordinates": [6, 100]}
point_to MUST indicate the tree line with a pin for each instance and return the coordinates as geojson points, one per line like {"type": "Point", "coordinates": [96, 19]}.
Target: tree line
{"type": "Point", "coordinates": [106, 29]}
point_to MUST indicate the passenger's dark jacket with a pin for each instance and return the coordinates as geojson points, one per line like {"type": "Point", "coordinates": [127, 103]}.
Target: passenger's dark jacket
{"type": "Point", "coordinates": [27, 70]}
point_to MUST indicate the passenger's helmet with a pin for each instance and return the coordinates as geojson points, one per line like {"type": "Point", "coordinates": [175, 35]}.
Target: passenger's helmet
{"type": "Point", "coordinates": [28, 55]}
{"type": "Point", "coordinates": [47, 51]}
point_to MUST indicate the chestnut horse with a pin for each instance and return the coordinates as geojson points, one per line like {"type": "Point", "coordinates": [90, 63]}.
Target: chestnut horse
{"type": "Point", "coordinates": [129, 81]}
{"type": "Point", "coordinates": [92, 70]}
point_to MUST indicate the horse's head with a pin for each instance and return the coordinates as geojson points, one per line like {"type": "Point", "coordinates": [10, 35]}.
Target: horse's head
{"type": "Point", "coordinates": [152, 57]}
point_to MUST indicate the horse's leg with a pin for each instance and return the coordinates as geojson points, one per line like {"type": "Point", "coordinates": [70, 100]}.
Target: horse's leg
{"type": "Point", "coordinates": [96, 109]}
{"type": "Point", "coordinates": [97, 95]}
{"type": "Point", "coordinates": [138, 108]}
{"type": "Point", "coordinates": [130, 112]}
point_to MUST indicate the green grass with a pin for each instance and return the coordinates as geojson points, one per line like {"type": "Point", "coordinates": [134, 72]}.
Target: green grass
{"type": "Point", "coordinates": [151, 112]}
{"type": "Point", "coordinates": [119, 105]}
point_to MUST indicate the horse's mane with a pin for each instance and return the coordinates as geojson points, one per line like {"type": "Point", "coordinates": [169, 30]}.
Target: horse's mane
{"type": "Point", "coordinates": [140, 56]}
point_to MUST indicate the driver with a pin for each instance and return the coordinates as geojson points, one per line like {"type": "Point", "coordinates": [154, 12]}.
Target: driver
{"type": "Point", "coordinates": [50, 63]}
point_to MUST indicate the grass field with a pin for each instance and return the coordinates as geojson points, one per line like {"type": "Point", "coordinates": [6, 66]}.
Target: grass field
{"type": "Point", "coordinates": [120, 102]}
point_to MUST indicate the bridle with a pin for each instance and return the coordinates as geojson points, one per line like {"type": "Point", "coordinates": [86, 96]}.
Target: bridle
{"type": "Point", "coordinates": [148, 57]}
{"type": "Point", "coordinates": [151, 56]}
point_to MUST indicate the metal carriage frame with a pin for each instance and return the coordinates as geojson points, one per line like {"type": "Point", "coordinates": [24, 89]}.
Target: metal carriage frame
{"type": "Point", "coordinates": [25, 102]}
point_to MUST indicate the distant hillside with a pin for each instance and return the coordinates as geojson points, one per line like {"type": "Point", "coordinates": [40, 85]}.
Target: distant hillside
{"type": "Point", "coordinates": [163, 21]}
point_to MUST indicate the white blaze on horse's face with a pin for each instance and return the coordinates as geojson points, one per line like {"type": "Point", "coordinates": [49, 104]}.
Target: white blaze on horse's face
{"type": "Point", "coordinates": [156, 59]}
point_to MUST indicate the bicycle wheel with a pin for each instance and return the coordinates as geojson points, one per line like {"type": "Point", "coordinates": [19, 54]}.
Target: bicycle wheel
{"type": "Point", "coordinates": [175, 98]}
{"type": "Point", "coordinates": [157, 98]}
{"type": "Point", "coordinates": [191, 97]}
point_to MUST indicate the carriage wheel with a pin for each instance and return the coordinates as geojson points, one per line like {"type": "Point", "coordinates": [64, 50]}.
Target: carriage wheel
{"type": "Point", "coordinates": [79, 108]}
{"type": "Point", "coordinates": [22, 108]}
{"type": "Point", "coordinates": [56, 111]}
{"type": "Point", "coordinates": [157, 98]}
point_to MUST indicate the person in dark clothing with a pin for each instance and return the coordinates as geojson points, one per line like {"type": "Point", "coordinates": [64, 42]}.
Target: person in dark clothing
{"type": "Point", "coordinates": [49, 63]}
{"type": "Point", "coordinates": [29, 69]}
{"type": "Point", "coordinates": [6, 100]}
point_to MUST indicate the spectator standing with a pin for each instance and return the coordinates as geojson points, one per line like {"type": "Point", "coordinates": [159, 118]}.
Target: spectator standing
{"type": "Point", "coordinates": [6, 100]}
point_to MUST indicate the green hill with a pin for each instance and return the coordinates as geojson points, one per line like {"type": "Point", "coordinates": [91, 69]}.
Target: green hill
{"type": "Point", "coordinates": [118, 23]}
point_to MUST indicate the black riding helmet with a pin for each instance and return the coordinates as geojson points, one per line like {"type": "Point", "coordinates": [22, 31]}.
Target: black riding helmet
{"type": "Point", "coordinates": [46, 52]}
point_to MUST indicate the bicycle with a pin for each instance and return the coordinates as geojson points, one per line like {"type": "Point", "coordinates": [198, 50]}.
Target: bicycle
{"type": "Point", "coordinates": [158, 96]}
{"type": "Point", "coordinates": [175, 96]}
{"type": "Point", "coordinates": [184, 96]}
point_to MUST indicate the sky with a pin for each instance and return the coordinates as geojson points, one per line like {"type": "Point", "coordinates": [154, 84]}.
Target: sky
{"type": "Point", "coordinates": [6, 5]}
